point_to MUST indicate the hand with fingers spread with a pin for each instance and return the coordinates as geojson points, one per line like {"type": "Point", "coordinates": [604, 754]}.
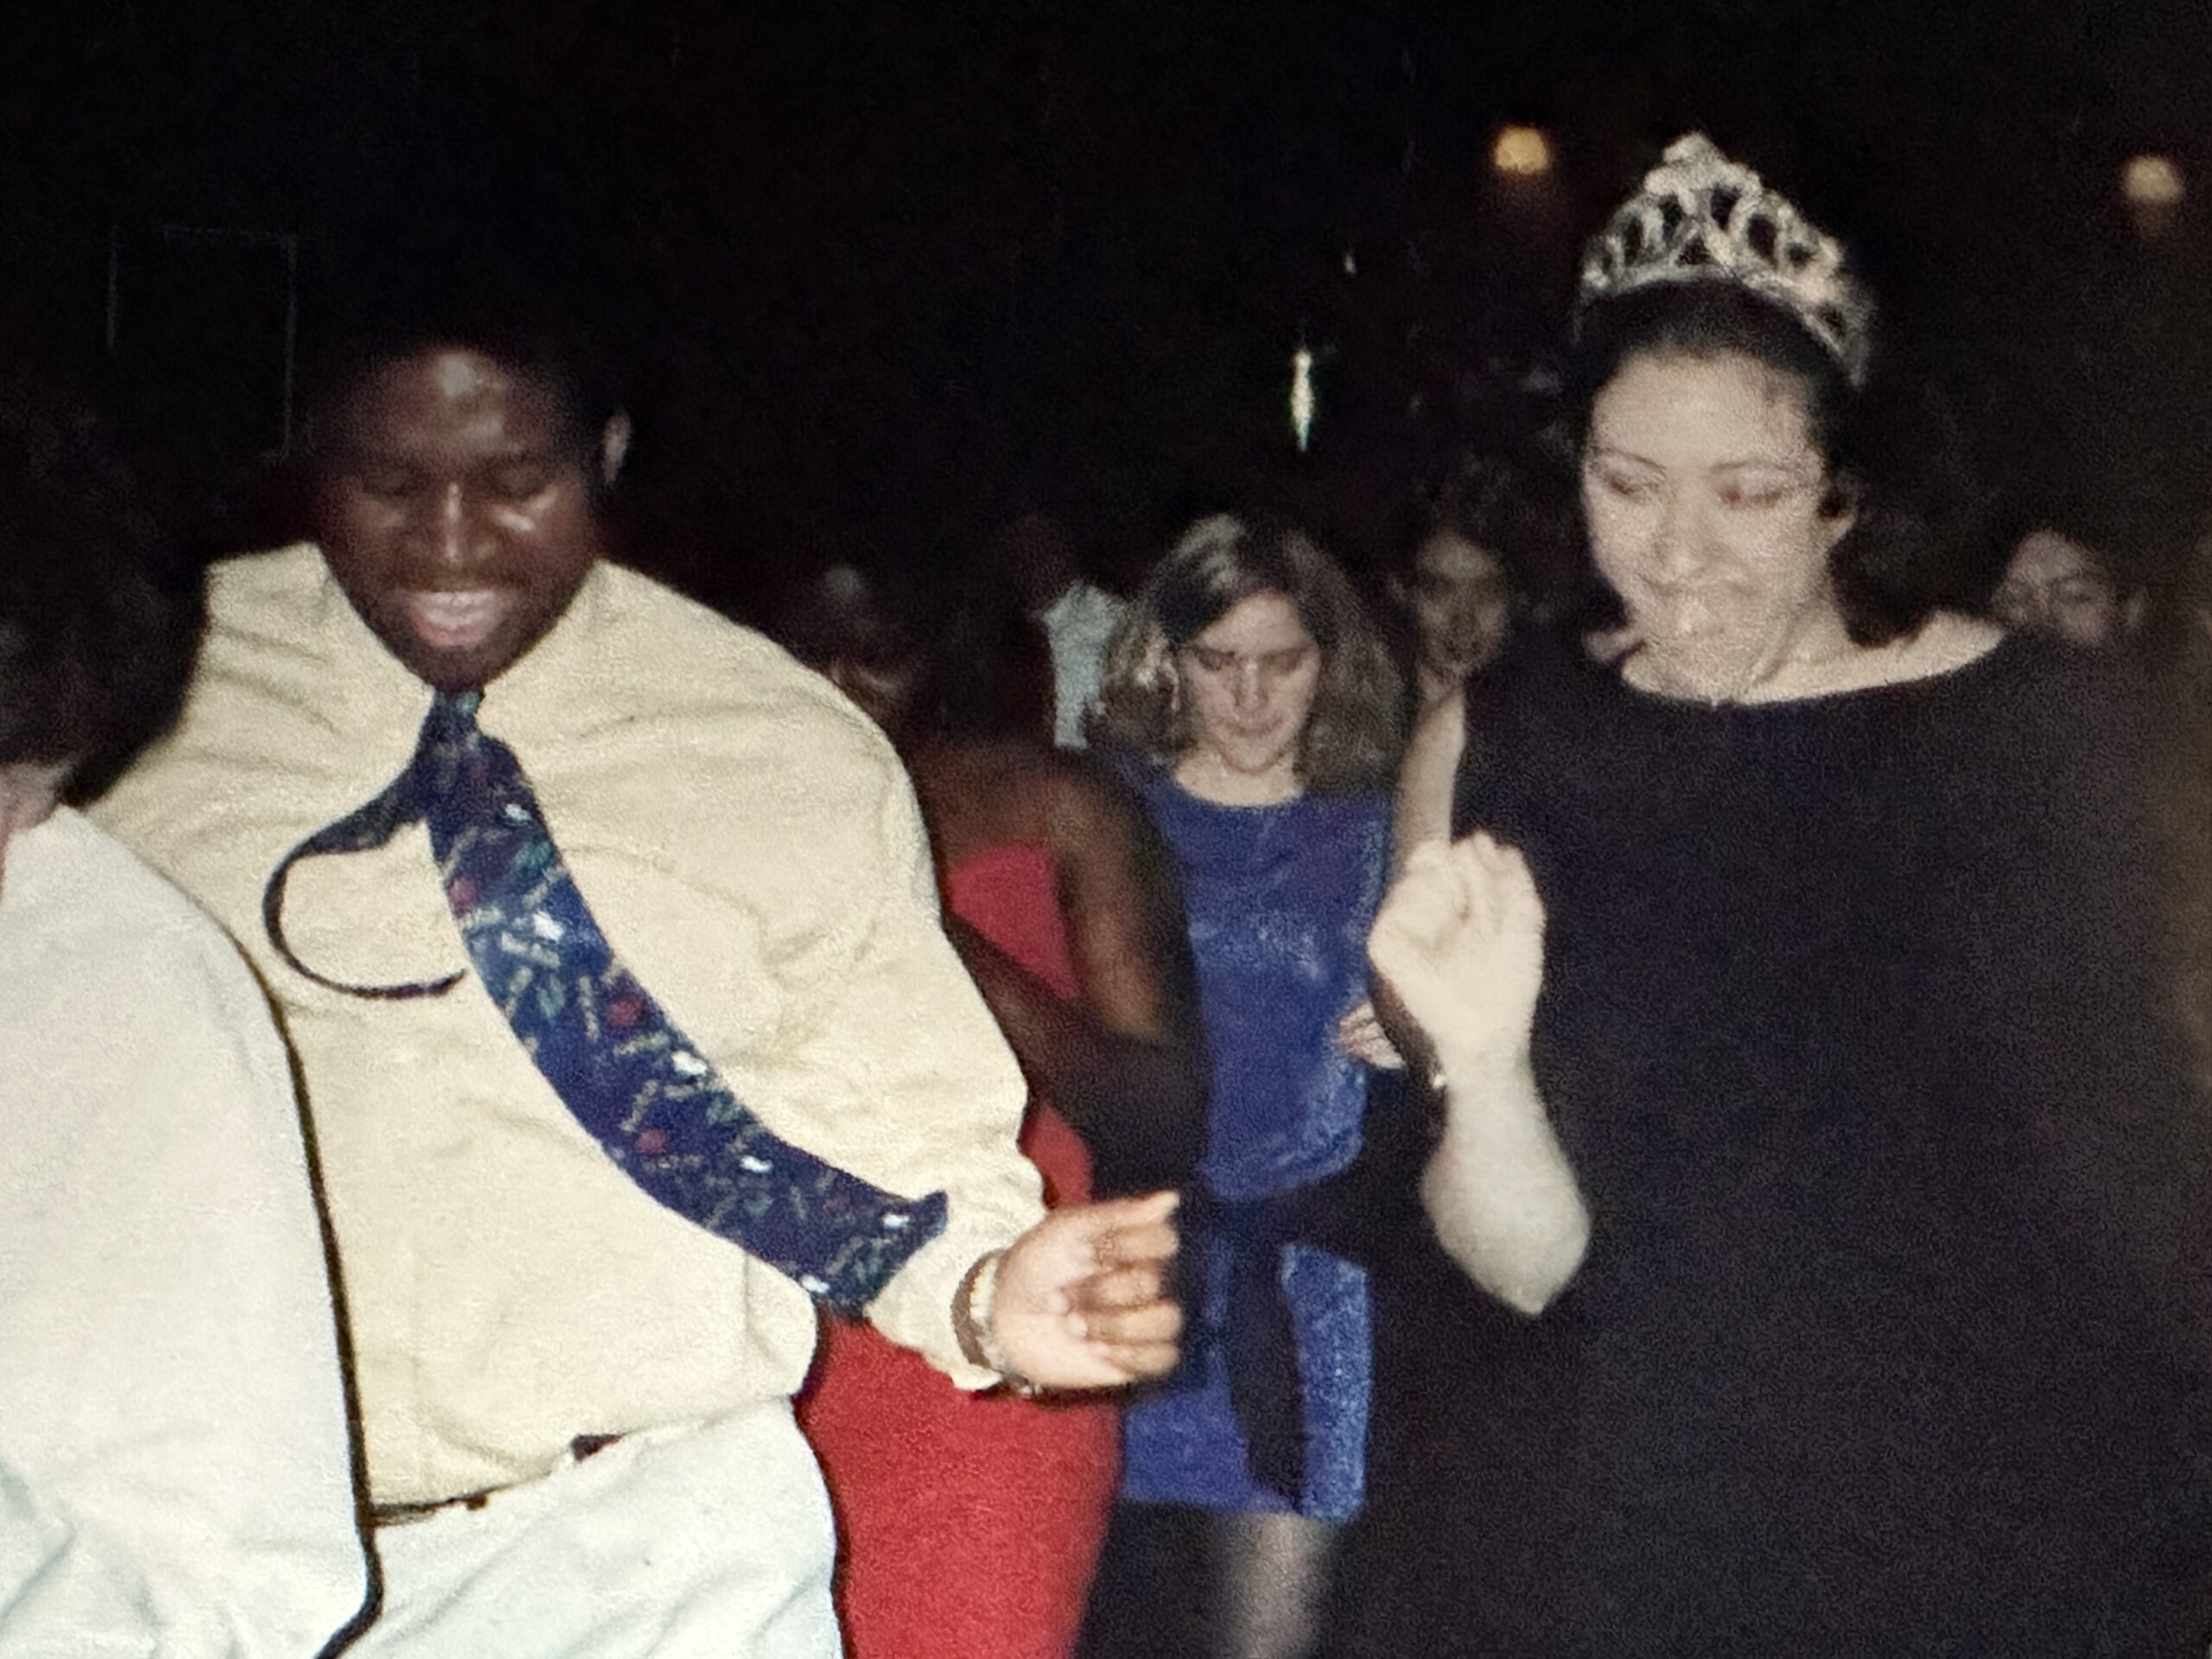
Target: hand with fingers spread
{"type": "Point", "coordinates": [1459, 943]}
{"type": "Point", "coordinates": [1080, 1299]}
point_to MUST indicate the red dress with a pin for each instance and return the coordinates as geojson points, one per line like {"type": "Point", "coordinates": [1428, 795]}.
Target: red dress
{"type": "Point", "coordinates": [968, 1524]}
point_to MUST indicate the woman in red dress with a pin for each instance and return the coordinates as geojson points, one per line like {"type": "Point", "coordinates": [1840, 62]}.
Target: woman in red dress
{"type": "Point", "coordinates": [969, 1523]}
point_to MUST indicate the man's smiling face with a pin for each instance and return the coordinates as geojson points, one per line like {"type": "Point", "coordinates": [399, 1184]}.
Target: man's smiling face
{"type": "Point", "coordinates": [456, 510]}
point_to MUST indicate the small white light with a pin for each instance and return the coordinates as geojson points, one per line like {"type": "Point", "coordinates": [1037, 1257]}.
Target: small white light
{"type": "Point", "coordinates": [1521, 152]}
{"type": "Point", "coordinates": [2152, 181]}
{"type": "Point", "coordinates": [1301, 396]}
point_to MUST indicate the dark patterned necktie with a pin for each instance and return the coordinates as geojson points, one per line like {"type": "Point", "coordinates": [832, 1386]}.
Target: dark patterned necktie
{"type": "Point", "coordinates": [648, 1096]}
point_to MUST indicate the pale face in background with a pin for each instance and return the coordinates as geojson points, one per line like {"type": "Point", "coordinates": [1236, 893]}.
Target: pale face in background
{"type": "Point", "coordinates": [1703, 492]}
{"type": "Point", "coordinates": [1461, 602]}
{"type": "Point", "coordinates": [1249, 681]}
{"type": "Point", "coordinates": [2054, 586]}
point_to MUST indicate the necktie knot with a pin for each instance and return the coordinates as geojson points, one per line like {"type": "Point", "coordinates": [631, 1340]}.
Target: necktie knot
{"type": "Point", "coordinates": [450, 738]}
{"type": "Point", "coordinates": [451, 723]}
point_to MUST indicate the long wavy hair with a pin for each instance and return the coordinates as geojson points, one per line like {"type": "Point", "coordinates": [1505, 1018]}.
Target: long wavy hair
{"type": "Point", "coordinates": [1351, 739]}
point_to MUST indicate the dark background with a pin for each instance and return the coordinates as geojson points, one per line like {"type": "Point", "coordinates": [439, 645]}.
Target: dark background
{"type": "Point", "coordinates": [883, 272]}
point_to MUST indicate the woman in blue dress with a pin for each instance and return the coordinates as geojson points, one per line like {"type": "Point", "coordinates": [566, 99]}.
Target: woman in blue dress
{"type": "Point", "coordinates": [1251, 703]}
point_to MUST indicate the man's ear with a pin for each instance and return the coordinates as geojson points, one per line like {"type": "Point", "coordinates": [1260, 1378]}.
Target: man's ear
{"type": "Point", "coordinates": [614, 448]}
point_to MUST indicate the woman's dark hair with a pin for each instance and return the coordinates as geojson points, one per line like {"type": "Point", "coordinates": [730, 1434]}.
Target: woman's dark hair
{"type": "Point", "coordinates": [1483, 502]}
{"type": "Point", "coordinates": [1887, 573]}
{"type": "Point", "coordinates": [2012, 519]}
{"type": "Point", "coordinates": [1351, 739]}
{"type": "Point", "coordinates": [97, 621]}
{"type": "Point", "coordinates": [980, 666]}
{"type": "Point", "coordinates": [991, 667]}
{"type": "Point", "coordinates": [1517, 507]}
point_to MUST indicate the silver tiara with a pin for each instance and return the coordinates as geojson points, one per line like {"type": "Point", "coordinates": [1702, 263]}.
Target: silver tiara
{"type": "Point", "coordinates": [1700, 217]}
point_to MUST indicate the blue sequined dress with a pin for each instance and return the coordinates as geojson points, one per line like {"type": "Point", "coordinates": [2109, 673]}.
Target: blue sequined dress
{"type": "Point", "coordinates": [1278, 898]}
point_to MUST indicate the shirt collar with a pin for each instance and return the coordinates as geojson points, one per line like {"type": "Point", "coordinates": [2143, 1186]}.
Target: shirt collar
{"type": "Point", "coordinates": [377, 690]}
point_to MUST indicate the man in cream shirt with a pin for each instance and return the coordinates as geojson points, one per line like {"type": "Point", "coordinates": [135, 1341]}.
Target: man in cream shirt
{"type": "Point", "coordinates": [575, 1399]}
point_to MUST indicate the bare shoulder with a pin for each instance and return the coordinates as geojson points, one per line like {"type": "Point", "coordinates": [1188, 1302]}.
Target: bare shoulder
{"type": "Point", "coordinates": [980, 791]}
{"type": "Point", "coordinates": [1947, 641]}
{"type": "Point", "coordinates": [1082, 797]}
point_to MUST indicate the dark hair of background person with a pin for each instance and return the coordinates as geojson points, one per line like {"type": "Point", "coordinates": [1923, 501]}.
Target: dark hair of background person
{"type": "Point", "coordinates": [1884, 455]}
{"type": "Point", "coordinates": [99, 619]}
{"type": "Point", "coordinates": [2010, 518]}
{"type": "Point", "coordinates": [1351, 738]}
{"type": "Point", "coordinates": [979, 665]}
{"type": "Point", "coordinates": [1517, 505]}
{"type": "Point", "coordinates": [2177, 643]}
{"type": "Point", "coordinates": [990, 668]}
{"type": "Point", "coordinates": [842, 607]}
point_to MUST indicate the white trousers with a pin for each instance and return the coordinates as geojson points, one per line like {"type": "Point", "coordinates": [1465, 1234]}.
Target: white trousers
{"type": "Point", "coordinates": [705, 1542]}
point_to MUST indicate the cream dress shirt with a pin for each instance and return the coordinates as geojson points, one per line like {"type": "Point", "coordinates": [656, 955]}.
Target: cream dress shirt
{"type": "Point", "coordinates": [174, 1470]}
{"type": "Point", "coordinates": [750, 847]}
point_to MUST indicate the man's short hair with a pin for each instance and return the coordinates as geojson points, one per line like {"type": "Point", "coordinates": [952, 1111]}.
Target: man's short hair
{"type": "Point", "coordinates": [471, 302]}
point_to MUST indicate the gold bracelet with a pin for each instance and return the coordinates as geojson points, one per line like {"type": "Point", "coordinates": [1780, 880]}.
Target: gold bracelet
{"type": "Point", "coordinates": [978, 1339]}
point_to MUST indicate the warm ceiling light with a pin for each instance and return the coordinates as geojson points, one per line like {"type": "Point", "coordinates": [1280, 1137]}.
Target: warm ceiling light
{"type": "Point", "coordinates": [1521, 152]}
{"type": "Point", "coordinates": [2152, 181]}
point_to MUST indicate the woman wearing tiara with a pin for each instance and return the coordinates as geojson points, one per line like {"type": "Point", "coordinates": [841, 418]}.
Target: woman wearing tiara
{"type": "Point", "coordinates": [1822, 1213]}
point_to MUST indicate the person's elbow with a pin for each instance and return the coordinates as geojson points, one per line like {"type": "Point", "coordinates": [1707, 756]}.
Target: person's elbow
{"type": "Point", "coordinates": [1523, 1254]}
{"type": "Point", "coordinates": [1530, 1284]}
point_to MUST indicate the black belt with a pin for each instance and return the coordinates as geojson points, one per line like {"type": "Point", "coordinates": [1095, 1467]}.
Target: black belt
{"type": "Point", "coordinates": [400, 1514]}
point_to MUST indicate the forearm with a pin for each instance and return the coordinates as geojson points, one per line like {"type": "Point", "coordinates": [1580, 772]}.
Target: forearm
{"type": "Point", "coordinates": [1137, 1102]}
{"type": "Point", "coordinates": [1498, 1188]}
{"type": "Point", "coordinates": [1422, 810]}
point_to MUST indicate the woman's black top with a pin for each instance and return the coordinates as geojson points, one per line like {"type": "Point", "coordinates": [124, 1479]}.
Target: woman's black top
{"type": "Point", "coordinates": [1891, 1335]}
